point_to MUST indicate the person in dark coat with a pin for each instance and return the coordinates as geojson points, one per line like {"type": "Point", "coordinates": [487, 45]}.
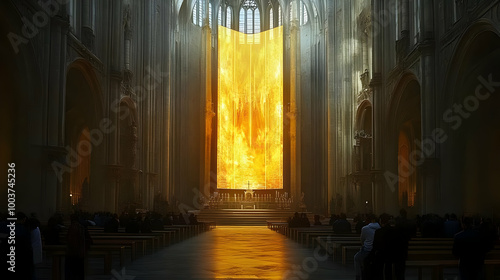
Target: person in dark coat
{"type": "Point", "coordinates": [390, 244]}
{"type": "Point", "coordinates": [112, 225]}
{"type": "Point", "coordinates": [55, 226]}
{"type": "Point", "coordinates": [342, 226]}
{"type": "Point", "coordinates": [24, 268]}
{"type": "Point", "coordinates": [133, 225]}
{"type": "Point", "coordinates": [79, 242]}
{"type": "Point", "coordinates": [470, 246]}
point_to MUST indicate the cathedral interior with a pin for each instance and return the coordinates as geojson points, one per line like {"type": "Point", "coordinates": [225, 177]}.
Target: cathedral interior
{"type": "Point", "coordinates": [186, 106]}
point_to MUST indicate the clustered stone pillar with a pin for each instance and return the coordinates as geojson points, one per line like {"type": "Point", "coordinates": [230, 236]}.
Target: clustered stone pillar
{"type": "Point", "coordinates": [430, 169]}
{"type": "Point", "coordinates": [378, 103]}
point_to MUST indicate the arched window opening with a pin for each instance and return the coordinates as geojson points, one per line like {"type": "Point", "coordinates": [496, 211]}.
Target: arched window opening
{"type": "Point", "coordinates": [210, 14]}
{"type": "Point", "coordinates": [219, 19]}
{"type": "Point", "coordinates": [249, 17]}
{"type": "Point", "coordinates": [271, 19]}
{"type": "Point", "coordinates": [280, 17]}
{"type": "Point", "coordinates": [303, 16]}
{"type": "Point", "coordinates": [229, 17]}
{"type": "Point", "coordinates": [199, 11]}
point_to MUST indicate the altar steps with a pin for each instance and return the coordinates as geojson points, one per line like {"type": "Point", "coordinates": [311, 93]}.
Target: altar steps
{"type": "Point", "coordinates": [246, 217]}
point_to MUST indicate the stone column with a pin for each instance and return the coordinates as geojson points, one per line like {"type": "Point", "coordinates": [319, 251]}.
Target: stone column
{"type": "Point", "coordinates": [330, 58]}
{"type": "Point", "coordinates": [430, 169]}
{"type": "Point", "coordinates": [294, 108]}
{"type": "Point", "coordinates": [115, 31]}
{"type": "Point", "coordinates": [87, 32]}
{"type": "Point", "coordinates": [378, 107]}
{"type": "Point", "coordinates": [207, 108]}
{"type": "Point", "coordinates": [53, 195]}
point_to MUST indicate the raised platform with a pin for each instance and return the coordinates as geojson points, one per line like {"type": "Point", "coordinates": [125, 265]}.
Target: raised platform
{"type": "Point", "coordinates": [245, 217]}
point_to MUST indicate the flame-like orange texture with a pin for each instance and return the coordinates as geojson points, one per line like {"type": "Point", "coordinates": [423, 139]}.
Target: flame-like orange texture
{"type": "Point", "coordinates": [250, 110]}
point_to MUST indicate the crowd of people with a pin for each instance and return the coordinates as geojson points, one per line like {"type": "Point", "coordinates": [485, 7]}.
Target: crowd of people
{"type": "Point", "coordinates": [299, 220]}
{"type": "Point", "coordinates": [74, 234]}
{"type": "Point", "coordinates": [385, 243]}
{"type": "Point", "coordinates": [385, 240]}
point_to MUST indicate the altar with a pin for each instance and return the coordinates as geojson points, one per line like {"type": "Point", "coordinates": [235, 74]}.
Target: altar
{"type": "Point", "coordinates": [250, 199]}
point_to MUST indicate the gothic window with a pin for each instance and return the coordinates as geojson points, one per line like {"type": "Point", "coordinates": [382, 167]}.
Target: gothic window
{"type": "Point", "coordinates": [249, 17]}
{"type": "Point", "coordinates": [303, 16]}
{"type": "Point", "coordinates": [219, 20]}
{"type": "Point", "coordinates": [242, 21]}
{"type": "Point", "coordinates": [271, 19]}
{"type": "Point", "coordinates": [302, 13]}
{"type": "Point", "coordinates": [249, 25]}
{"type": "Point", "coordinates": [199, 11]}
{"type": "Point", "coordinates": [229, 17]}
{"type": "Point", "coordinates": [210, 14]}
{"type": "Point", "coordinates": [256, 21]}
{"type": "Point", "coordinates": [280, 17]}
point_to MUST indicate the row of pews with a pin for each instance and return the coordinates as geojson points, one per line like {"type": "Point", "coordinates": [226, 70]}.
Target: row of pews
{"type": "Point", "coordinates": [423, 253]}
{"type": "Point", "coordinates": [122, 248]}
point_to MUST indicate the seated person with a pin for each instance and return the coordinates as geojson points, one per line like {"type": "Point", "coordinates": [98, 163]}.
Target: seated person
{"type": "Point", "coordinates": [451, 226]}
{"type": "Point", "coordinates": [342, 225]}
{"type": "Point", "coordinates": [146, 225]}
{"type": "Point", "coordinates": [192, 219]}
{"type": "Point", "coordinates": [112, 225]}
{"type": "Point", "coordinates": [157, 222]}
{"type": "Point", "coordinates": [133, 225]}
{"type": "Point", "coordinates": [317, 222]}
{"type": "Point", "coordinates": [295, 221]}
{"type": "Point", "coordinates": [304, 221]}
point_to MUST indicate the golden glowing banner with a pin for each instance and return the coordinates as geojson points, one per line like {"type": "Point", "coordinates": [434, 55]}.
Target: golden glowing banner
{"type": "Point", "coordinates": [250, 110]}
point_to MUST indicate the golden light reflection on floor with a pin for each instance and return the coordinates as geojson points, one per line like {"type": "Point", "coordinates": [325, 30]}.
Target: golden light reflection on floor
{"type": "Point", "coordinates": [250, 110]}
{"type": "Point", "coordinates": [248, 252]}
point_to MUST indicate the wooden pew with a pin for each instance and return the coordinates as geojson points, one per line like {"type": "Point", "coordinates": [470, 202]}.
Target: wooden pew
{"type": "Point", "coordinates": [57, 252]}
{"type": "Point", "coordinates": [141, 241]}
{"type": "Point", "coordinates": [157, 240]}
{"type": "Point", "coordinates": [310, 236]}
{"type": "Point", "coordinates": [296, 232]}
{"type": "Point", "coordinates": [128, 244]}
{"type": "Point", "coordinates": [280, 227]}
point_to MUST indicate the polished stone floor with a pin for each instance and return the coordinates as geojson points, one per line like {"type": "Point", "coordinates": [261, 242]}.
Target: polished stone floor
{"type": "Point", "coordinates": [245, 252]}
{"type": "Point", "coordinates": [234, 252]}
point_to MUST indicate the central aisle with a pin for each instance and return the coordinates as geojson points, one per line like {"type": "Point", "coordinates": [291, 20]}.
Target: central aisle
{"type": "Point", "coordinates": [245, 252]}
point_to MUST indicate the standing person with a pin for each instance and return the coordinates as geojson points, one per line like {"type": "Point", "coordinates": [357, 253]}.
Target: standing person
{"type": "Point", "coordinates": [79, 242]}
{"type": "Point", "coordinates": [367, 234]}
{"type": "Point", "coordinates": [390, 244]}
{"type": "Point", "coordinates": [54, 227]}
{"type": "Point", "coordinates": [469, 245]}
{"type": "Point", "coordinates": [24, 251]}
{"type": "Point", "coordinates": [36, 240]}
